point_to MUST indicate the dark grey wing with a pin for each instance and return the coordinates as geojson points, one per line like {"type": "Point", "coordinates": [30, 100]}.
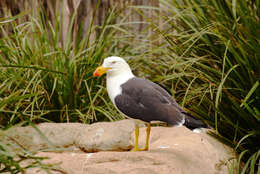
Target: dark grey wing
{"type": "Point", "coordinates": [144, 100]}
{"type": "Point", "coordinates": [166, 94]}
{"type": "Point", "coordinates": [191, 122]}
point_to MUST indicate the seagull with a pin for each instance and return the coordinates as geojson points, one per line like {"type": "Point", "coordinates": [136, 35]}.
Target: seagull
{"type": "Point", "coordinates": [141, 99]}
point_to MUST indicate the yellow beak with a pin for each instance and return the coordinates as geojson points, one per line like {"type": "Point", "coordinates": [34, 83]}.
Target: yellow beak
{"type": "Point", "coordinates": [100, 71]}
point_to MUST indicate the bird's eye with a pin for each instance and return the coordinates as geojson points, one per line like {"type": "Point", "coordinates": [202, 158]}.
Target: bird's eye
{"type": "Point", "coordinates": [113, 62]}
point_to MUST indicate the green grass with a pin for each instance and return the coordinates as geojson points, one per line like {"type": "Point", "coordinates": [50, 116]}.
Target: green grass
{"type": "Point", "coordinates": [42, 80]}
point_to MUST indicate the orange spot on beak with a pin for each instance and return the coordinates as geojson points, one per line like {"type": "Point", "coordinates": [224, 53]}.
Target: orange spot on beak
{"type": "Point", "coordinates": [96, 74]}
{"type": "Point", "coordinates": [100, 71]}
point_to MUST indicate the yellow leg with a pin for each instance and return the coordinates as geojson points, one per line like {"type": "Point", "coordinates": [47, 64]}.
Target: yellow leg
{"type": "Point", "coordinates": [148, 130]}
{"type": "Point", "coordinates": [136, 148]}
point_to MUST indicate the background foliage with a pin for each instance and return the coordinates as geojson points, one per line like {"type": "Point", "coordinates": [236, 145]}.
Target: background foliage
{"type": "Point", "coordinates": [43, 79]}
{"type": "Point", "coordinates": [206, 53]}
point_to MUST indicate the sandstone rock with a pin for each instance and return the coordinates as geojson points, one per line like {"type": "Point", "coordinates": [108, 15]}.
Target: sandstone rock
{"type": "Point", "coordinates": [172, 150]}
{"type": "Point", "coordinates": [90, 138]}
{"type": "Point", "coordinates": [107, 136]}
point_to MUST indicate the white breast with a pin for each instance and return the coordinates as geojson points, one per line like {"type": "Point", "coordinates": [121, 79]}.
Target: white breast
{"type": "Point", "coordinates": [114, 84]}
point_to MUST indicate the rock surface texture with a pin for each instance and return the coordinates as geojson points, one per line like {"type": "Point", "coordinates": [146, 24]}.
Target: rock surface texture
{"type": "Point", "coordinates": [102, 148]}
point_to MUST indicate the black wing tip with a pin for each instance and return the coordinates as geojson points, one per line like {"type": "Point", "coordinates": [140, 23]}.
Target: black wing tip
{"type": "Point", "coordinates": [192, 122]}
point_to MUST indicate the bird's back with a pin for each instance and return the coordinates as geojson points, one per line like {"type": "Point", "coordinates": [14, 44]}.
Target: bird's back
{"type": "Point", "coordinates": [147, 101]}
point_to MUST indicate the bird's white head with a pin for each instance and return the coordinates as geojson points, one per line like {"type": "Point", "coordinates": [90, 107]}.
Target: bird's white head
{"type": "Point", "coordinates": [113, 66]}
